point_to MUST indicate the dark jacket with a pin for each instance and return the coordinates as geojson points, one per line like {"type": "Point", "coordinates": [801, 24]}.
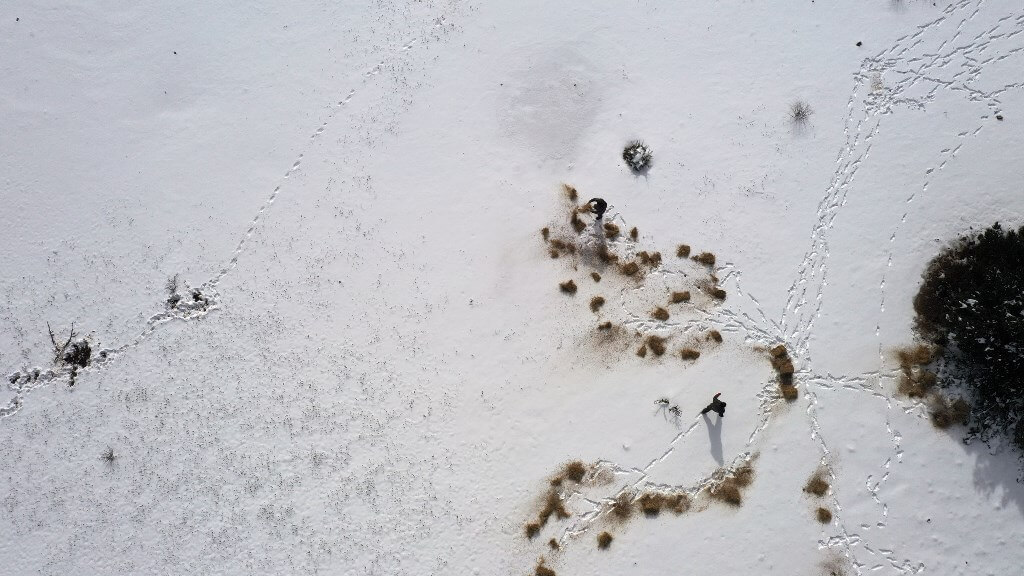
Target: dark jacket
{"type": "Point", "coordinates": [716, 406]}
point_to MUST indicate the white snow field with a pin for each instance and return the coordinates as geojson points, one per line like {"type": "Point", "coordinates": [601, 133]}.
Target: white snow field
{"type": "Point", "coordinates": [380, 374]}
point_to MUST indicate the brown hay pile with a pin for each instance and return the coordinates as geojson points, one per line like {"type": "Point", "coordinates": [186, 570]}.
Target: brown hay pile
{"type": "Point", "coordinates": [945, 413]}
{"type": "Point", "coordinates": [916, 385]}
{"type": "Point", "coordinates": [595, 276]}
{"type": "Point", "coordinates": [570, 192]}
{"type": "Point", "coordinates": [689, 354]}
{"type": "Point", "coordinates": [532, 529]}
{"type": "Point", "coordinates": [629, 268]}
{"type": "Point", "coordinates": [604, 540]}
{"type": "Point", "coordinates": [788, 391]}
{"type": "Point", "coordinates": [743, 476]}
{"type": "Point", "coordinates": [705, 258]}
{"type": "Point", "coordinates": [569, 287]}
{"type": "Point", "coordinates": [543, 570]}
{"type": "Point", "coordinates": [660, 313]}
{"type": "Point", "coordinates": [715, 335]}
{"type": "Point", "coordinates": [652, 259]}
{"type": "Point", "coordinates": [642, 352]}
{"type": "Point", "coordinates": [553, 544]}
{"type": "Point", "coordinates": [782, 365]}
{"type": "Point", "coordinates": [678, 297]}
{"type": "Point", "coordinates": [779, 351]}
{"type": "Point", "coordinates": [716, 292]}
{"type": "Point", "coordinates": [545, 232]}
{"type": "Point", "coordinates": [817, 484]}
{"type": "Point", "coordinates": [652, 503]}
{"type": "Point", "coordinates": [574, 471]}
{"type": "Point", "coordinates": [824, 515]}
{"type": "Point", "coordinates": [596, 302]}
{"type": "Point", "coordinates": [577, 224]}
{"type": "Point", "coordinates": [606, 256]}
{"type": "Point", "coordinates": [919, 355]}
{"type": "Point", "coordinates": [634, 233]}
{"type": "Point", "coordinates": [563, 246]}
{"type": "Point", "coordinates": [553, 505]}
{"type": "Point", "coordinates": [728, 493]}
{"type": "Point", "coordinates": [622, 508]}
{"type": "Point", "coordinates": [656, 344]}
{"type": "Point", "coordinates": [678, 503]}
{"type": "Point", "coordinates": [683, 251]}
{"type": "Point", "coordinates": [604, 326]}
{"type": "Point", "coordinates": [611, 231]}
{"type": "Point", "coordinates": [553, 252]}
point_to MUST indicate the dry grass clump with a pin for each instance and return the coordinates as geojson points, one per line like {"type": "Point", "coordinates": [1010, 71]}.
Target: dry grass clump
{"type": "Point", "coordinates": [782, 365]}
{"type": "Point", "coordinates": [678, 297]}
{"type": "Point", "coordinates": [788, 391]}
{"type": "Point", "coordinates": [652, 259]}
{"type": "Point", "coordinates": [683, 251]}
{"type": "Point", "coordinates": [532, 529]}
{"type": "Point", "coordinates": [569, 287]}
{"type": "Point", "coordinates": [595, 276]}
{"type": "Point", "coordinates": [678, 503]}
{"type": "Point", "coordinates": [596, 302]}
{"type": "Point", "coordinates": [622, 508]}
{"type": "Point", "coordinates": [634, 233]}
{"type": "Point", "coordinates": [553, 544]}
{"type": "Point", "coordinates": [571, 193]}
{"type": "Point", "coordinates": [543, 570]}
{"type": "Point", "coordinates": [606, 256]}
{"type": "Point", "coordinates": [715, 335]}
{"type": "Point", "coordinates": [689, 354]}
{"type": "Point", "coordinates": [656, 344]}
{"type": "Point", "coordinates": [817, 484]}
{"type": "Point", "coordinates": [729, 491]}
{"type": "Point", "coordinates": [824, 515]}
{"type": "Point", "coordinates": [743, 476]}
{"type": "Point", "coordinates": [642, 352]}
{"type": "Point", "coordinates": [577, 224]}
{"type": "Point", "coordinates": [918, 355]}
{"type": "Point", "coordinates": [779, 351]}
{"type": "Point", "coordinates": [575, 471]}
{"type": "Point", "coordinates": [611, 230]}
{"type": "Point", "coordinates": [715, 292]}
{"type": "Point", "coordinates": [604, 326]}
{"type": "Point", "coordinates": [553, 253]}
{"type": "Point", "coordinates": [916, 383]}
{"type": "Point", "coordinates": [545, 232]}
{"type": "Point", "coordinates": [945, 413]}
{"type": "Point", "coordinates": [659, 313]}
{"type": "Point", "coordinates": [553, 506]}
{"type": "Point", "coordinates": [604, 540]}
{"type": "Point", "coordinates": [563, 246]}
{"type": "Point", "coordinates": [651, 503]}
{"type": "Point", "coordinates": [705, 258]}
{"type": "Point", "coordinates": [629, 268]}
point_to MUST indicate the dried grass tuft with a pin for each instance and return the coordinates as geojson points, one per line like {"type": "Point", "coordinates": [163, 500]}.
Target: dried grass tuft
{"type": "Point", "coordinates": [705, 258]}
{"type": "Point", "coordinates": [634, 233]}
{"type": "Point", "coordinates": [824, 515]}
{"type": "Point", "coordinates": [543, 570]}
{"type": "Point", "coordinates": [715, 335]}
{"type": "Point", "coordinates": [779, 351]}
{"type": "Point", "coordinates": [575, 471]}
{"type": "Point", "coordinates": [546, 233]}
{"type": "Point", "coordinates": [652, 503]}
{"type": "Point", "coordinates": [689, 354]}
{"type": "Point", "coordinates": [553, 544]}
{"type": "Point", "coordinates": [716, 292]}
{"type": "Point", "coordinates": [568, 287]}
{"type": "Point", "coordinates": [918, 355]}
{"type": "Point", "coordinates": [683, 251]}
{"type": "Point", "coordinates": [629, 268]}
{"type": "Point", "coordinates": [532, 529]}
{"type": "Point", "coordinates": [604, 540]}
{"type": "Point", "coordinates": [571, 193]}
{"type": "Point", "coordinates": [553, 253]}
{"type": "Point", "coordinates": [660, 313]}
{"type": "Point", "coordinates": [604, 326]}
{"type": "Point", "coordinates": [817, 484]}
{"type": "Point", "coordinates": [789, 392]}
{"type": "Point", "coordinates": [642, 352]}
{"type": "Point", "coordinates": [945, 413]}
{"type": "Point", "coordinates": [577, 224]}
{"type": "Point", "coordinates": [596, 302]}
{"type": "Point", "coordinates": [656, 344]}
{"type": "Point", "coordinates": [595, 276]}
{"type": "Point", "coordinates": [611, 230]}
{"type": "Point", "coordinates": [683, 296]}
{"type": "Point", "coordinates": [622, 508]}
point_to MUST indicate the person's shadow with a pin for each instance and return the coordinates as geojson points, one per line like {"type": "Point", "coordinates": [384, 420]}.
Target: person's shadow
{"type": "Point", "coordinates": [715, 436]}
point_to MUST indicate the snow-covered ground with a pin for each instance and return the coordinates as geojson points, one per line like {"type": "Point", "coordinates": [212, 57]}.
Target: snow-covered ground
{"type": "Point", "coordinates": [382, 375]}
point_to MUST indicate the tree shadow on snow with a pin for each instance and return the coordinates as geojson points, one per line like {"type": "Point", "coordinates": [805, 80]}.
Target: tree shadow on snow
{"type": "Point", "coordinates": [998, 474]}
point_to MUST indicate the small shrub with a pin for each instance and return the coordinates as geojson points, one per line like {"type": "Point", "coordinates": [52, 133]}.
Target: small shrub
{"type": "Point", "coordinates": [656, 344]}
{"type": "Point", "coordinates": [824, 515]}
{"type": "Point", "coordinates": [788, 391]}
{"type": "Point", "coordinates": [637, 155]}
{"type": "Point", "coordinates": [715, 335]}
{"type": "Point", "coordinates": [660, 313]}
{"type": "Point", "coordinates": [575, 471]}
{"type": "Point", "coordinates": [596, 302]}
{"type": "Point", "coordinates": [629, 268]}
{"type": "Point", "coordinates": [651, 504]}
{"type": "Point", "coordinates": [595, 276]}
{"type": "Point", "coordinates": [570, 193]}
{"type": "Point", "coordinates": [678, 297]}
{"type": "Point", "coordinates": [642, 352]}
{"type": "Point", "coordinates": [817, 484]}
{"type": "Point", "coordinates": [611, 231]}
{"type": "Point", "coordinates": [568, 287]}
{"type": "Point", "coordinates": [705, 258]}
{"type": "Point", "coordinates": [532, 529]}
{"type": "Point", "coordinates": [689, 354]}
{"type": "Point", "coordinates": [634, 233]}
{"type": "Point", "coordinates": [604, 540]}
{"type": "Point", "coordinates": [683, 251]}
{"type": "Point", "coordinates": [716, 292]}
{"type": "Point", "coordinates": [577, 224]}
{"type": "Point", "coordinates": [604, 326]}
{"type": "Point", "coordinates": [545, 233]}
{"type": "Point", "coordinates": [800, 111]}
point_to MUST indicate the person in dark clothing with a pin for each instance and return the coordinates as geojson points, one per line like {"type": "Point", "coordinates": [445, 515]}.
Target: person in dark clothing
{"type": "Point", "coordinates": [598, 206]}
{"type": "Point", "coordinates": [716, 406]}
